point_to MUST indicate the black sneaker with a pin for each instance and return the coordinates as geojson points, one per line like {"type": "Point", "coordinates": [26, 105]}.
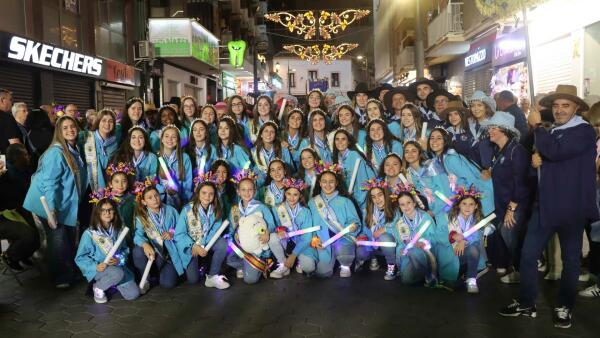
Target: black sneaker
{"type": "Point", "coordinates": [14, 266]}
{"type": "Point", "coordinates": [562, 317]}
{"type": "Point", "coordinates": [515, 310]}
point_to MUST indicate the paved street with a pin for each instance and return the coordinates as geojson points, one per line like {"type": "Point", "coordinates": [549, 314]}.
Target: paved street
{"type": "Point", "coordinates": [363, 306]}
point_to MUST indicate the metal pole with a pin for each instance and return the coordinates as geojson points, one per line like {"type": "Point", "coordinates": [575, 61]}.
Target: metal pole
{"type": "Point", "coordinates": [529, 66]}
{"type": "Point", "coordinates": [419, 49]}
{"type": "Point", "coordinates": [288, 78]}
{"type": "Point", "coordinates": [255, 59]}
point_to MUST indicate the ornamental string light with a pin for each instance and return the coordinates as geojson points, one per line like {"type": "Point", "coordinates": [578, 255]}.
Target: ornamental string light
{"type": "Point", "coordinates": [303, 23]}
{"type": "Point", "coordinates": [315, 53]}
{"type": "Point", "coordinates": [333, 23]}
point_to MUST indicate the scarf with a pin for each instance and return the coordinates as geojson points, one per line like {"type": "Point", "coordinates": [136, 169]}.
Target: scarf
{"type": "Point", "coordinates": [413, 224]}
{"type": "Point", "coordinates": [329, 213]}
{"type": "Point", "coordinates": [293, 212]}
{"type": "Point", "coordinates": [409, 134]}
{"type": "Point", "coordinates": [277, 193]}
{"type": "Point", "coordinates": [157, 219]}
{"type": "Point", "coordinates": [268, 154]}
{"type": "Point", "coordinates": [379, 153]}
{"type": "Point", "coordinates": [205, 218]}
{"type": "Point", "coordinates": [74, 151]}
{"type": "Point", "coordinates": [139, 160]}
{"type": "Point", "coordinates": [293, 141]}
{"type": "Point", "coordinates": [573, 122]}
{"type": "Point", "coordinates": [378, 219]}
{"type": "Point", "coordinates": [464, 224]}
{"type": "Point", "coordinates": [252, 206]}
{"type": "Point", "coordinates": [199, 153]}
{"type": "Point", "coordinates": [225, 151]}
{"type": "Point", "coordinates": [104, 143]}
{"type": "Point", "coordinates": [320, 143]}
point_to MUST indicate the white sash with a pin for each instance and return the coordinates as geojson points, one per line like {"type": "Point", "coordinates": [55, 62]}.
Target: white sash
{"type": "Point", "coordinates": [335, 226]}
{"type": "Point", "coordinates": [91, 160]}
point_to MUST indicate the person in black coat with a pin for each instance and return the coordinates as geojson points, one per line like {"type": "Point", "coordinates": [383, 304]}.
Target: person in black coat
{"type": "Point", "coordinates": [507, 102]}
{"type": "Point", "coordinates": [566, 193]}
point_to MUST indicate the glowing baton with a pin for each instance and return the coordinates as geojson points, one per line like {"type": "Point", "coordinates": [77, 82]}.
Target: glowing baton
{"type": "Point", "coordinates": [354, 173]}
{"type": "Point", "coordinates": [378, 244]}
{"type": "Point", "coordinates": [146, 273]}
{"type": "Point", "coordinates": [443, 198]}
{"type": "Point", "coordinates": [247, 165]}
{"type": "Point", "coordinates": [337, 236]}
{"type": "Point", "coordinates": [479, 225]}
{"type": "Point", "coordinates": [217, 235]}
{"type": "Point", "coordinates": [302, 232]}
{"type": "Point", "coordinates": [403, 178]}
{"type": "Point", "coordinates": [202, 164]}
{"type": "Point", "coordinates": [117, 244]}
{"type": "Point", "coordinates": [424, 131]}
{"type": "Point", "coordinates": [165, 170]}
{"type": "Point", "coordinates": [417, 236]}
{"type": "Point", "coordinates": [281, 109]}
{"type": "Point", "coordinates": [51, 219]}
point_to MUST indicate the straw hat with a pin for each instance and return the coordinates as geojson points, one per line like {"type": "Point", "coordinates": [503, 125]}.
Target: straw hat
{"type": "Point", "coordinates": [567, 92]}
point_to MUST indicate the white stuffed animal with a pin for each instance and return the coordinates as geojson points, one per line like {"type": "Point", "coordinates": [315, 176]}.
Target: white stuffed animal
{"type": "Point", "coordinates": [249, 231]}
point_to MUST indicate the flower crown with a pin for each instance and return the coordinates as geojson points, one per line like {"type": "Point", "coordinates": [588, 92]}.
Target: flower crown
{"type": "Point", "coordinates": [101, 194]}
{"type": "Point", "coordinates": [403, 187]}
{"type": "Point", "coordinates": [323, 167]}
{"type": "Point", "coordinates": [58, 110]}
{"type": "Point", "coordinates": [140, 187]}
{"type": "Point", "coordinates": [121, 167]}
{"type": "Point", "coordinates": [373, 183]}
{"type": "Point", "coordinates": [462, 193]}
{"type": "Point", "coordinates": [205, 177]}
{"type": "Point", "coordinates": [294, 183]}
{"type": "Point", "coordinates": [244, 174]}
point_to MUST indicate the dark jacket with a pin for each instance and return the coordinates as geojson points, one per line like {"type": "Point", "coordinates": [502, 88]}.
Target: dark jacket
{"type": "Point", "coordinates": [520, 121]}
{"type": "Point", "coordinates": [510, 168]}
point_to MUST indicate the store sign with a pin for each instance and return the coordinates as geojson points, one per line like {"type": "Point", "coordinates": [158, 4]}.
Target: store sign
{"type": "Point", "coordinates": [510, 48]}
{"type": "Point", "coordinates": [478, 57]}
{"type": "Point", "coordinates": [120, 73]}
{"type": "Point", "coordinates": [237, 49]}
{"type": "Point", "coordinates": [41, 54]}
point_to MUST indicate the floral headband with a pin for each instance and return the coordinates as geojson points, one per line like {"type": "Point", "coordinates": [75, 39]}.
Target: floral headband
{"type": "Point", "coordinates": [121, 167]}
{"type": "Point", "coordinates": [102, 194]}
{"type": "Point", "coordinates": [462, 193]}
{"type": "Point", "coordinates": [207, 177]}
{"type": "Point", "coordinates": [323, 167]}
{"type": "Point", "coordinates": [402, 188]}
{"type": "Point", "coordinates": [294, 183]}
{"type": "Point", "coordinates": [140, 187]}
{"type": "Point", "coordinates": [244, 174]}
{"type": "Point", "coordinates": [373, 183]}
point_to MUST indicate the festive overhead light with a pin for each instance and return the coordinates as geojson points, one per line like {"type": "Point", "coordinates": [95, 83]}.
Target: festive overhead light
{"type": "Point", "coordinates": [315, 53]}
{"type": "Point", "coordinates": [303, 23]}
{"type": "Point", "coordinates": [332, 23]}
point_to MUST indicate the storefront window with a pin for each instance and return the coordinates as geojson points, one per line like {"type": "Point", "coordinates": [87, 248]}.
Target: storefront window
{"type": "Point", "coordinates": [110, 32]}
{"type": "Point", "coordinates": [62, 23]}
{"type": "Point", "coordinates": [13, 16]}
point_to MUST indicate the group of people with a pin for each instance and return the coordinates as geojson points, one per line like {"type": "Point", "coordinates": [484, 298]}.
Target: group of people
{"type": "Point", "coordinates": [435, 187]}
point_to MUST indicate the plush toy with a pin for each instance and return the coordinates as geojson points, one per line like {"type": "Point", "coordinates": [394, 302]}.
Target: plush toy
{"type": "Point", "coordinates": [250, 229]}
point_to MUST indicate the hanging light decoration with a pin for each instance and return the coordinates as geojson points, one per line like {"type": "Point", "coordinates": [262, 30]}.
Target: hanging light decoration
{"type": "Point", "coordinates": [303, 23]}
{"type": "Point", "coordinates": [329, 22]}
{"type": "Point", "coordinates": [333, 23]}
{"type": "Point", "coordinates": [315, 53]}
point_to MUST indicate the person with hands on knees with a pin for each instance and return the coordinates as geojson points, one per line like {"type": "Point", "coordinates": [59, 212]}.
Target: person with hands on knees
{"type": "Point", "coordinates": [96, 242]}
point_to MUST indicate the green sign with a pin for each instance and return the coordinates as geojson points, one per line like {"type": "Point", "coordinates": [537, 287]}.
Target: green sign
{"type": "Point", "coordinates": [237, 49]}
{"type": "Point", "coordinates": [205, 47]}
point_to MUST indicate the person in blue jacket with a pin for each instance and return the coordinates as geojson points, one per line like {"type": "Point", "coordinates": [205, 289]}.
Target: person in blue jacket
{"type": "Point", "coordinates": [98, 147]}
{"type": "Point", "coordinates": [267, 147]}
{"type": "Point", "coordinates": [346, 118]}
{"type": "Point", "coordinates": [168, 117]}
{"type": "Point", "coordinates": [176, 178]}
{"type": "Point", "coordinates": [264, 111]}
{"type": "Point", "coordinates": [154, 239]}
{"type": "Point", "coordinates": [272, 193]}
{"type": "Point", "coordinates": [197, 225]}
{"type": "Point", "coordinates": [133, 116]}
{"type": "Point", "coordinates": [201, 151]}
{"type": "Point", "coordinates": [411, 124]}
{"type": "Point", "coordinates": [136, 150]}
{"type": "Point", "coordinates": [390, 170]}
{"type": "Point", "coordinates": [188, 113]}
{"type": "Point", "coordinates": [290, 215]}
{"type": "Point", "coordinates": [380, 142]}
{"type": "Point", "coordinates": [251, 266]}
{"type": "Point", "coordinates": [293, 135]}
{"type": "Point", "coordinates": [61, 178]}
{"type": "Point", "coordinates": [236, 109]}
{"type": "Point", "coordinates": [308, 162]}
{"type": "Point", "coordinates": [379, 221]}
{"type": "Point", "coordinates": [225, 188]}
{"type": "Point", "coordinates": [333, 211]}
{"type": "Point", "coordinates": [229, 147]}
{"type": "Point", "coordinates": [317, 135]}
{"type": "Point", "coordinates": [457, 121]}
{"type": "Point", "coordinates": [96, 242]}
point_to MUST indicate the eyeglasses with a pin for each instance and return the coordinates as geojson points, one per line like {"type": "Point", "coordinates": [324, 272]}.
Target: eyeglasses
{"type": "Point", "coordinates": [107, 211]}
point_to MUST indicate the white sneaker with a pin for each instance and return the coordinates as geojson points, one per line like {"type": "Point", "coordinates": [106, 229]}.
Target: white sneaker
{"type": "Point", "coordinates": [345, 271]}
{"type": "Point", "coordinates": [99, 296]}
{"type": "Point", "coordinates": [591, 292]}
{"type": "Point", "coordinates": [500, 271]}
{"type": "Point", "coordinates": [216, 281]}
{"type": "Point", "coordinates": [239, 274]}
{"type": "Point", "coordinates": [552, 276]}
{"type": "Point", "coordinates": [390, 274]}
{"type": "Point", "coordinates": [511, 278]}
{"type": "Point", "coordinates": [584, 277]}
{"type": "Point", "coordinates": [541, 266]}
{"type": "Point", "coordinates": [373, 264]}
{"type": "Point", "coordinates": [280, 272]}
{"type": "Point", "coordinates": [298, 268]}
{"type": "Point", "coordinates": [472, 285]}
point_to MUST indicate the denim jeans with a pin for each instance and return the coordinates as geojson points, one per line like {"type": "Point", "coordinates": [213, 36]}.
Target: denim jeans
{"type": "Point", "coordinates": [251, 275]}
{"type": "Point", "coordinates": [61, 252]}
{"type": "Point", "coordinates": [510, 240]}
{"type": "Point", "coordinates": [167, 274]}
{"type": "Point", "coordinates": [113, 275]}
{"type": "Point", "coordinates": [219, 252]}
{"type": "Point", "coordinates": [470, 258]}
{"type": "Point", "coordinates": [322, 267]}
{"type": "Point", "coordinates": [388, 253]}
{"type": "Point", "coordinates": [278, 247]}
{"type": "Point", "coordinates": [414, 266]}
{"type": "Point", "coordinates": [536, 239]}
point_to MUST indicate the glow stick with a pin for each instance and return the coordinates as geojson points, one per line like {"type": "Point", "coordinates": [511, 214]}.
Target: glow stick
{"type": "Point", "coordinates": [116, 245]}
{"type": "Point", "coordinates": [378, 244]}
{"type": "Point", "coordinates": [424, 131]}
{"type": "Point", "coordinates": [443, 198]}
{"type": "Point", "coordinates": [202, 164]}
{"type": "Point", "coordinates": [146, 273]}
{"type": "Point", "coordinates": [247, 165]}
{"type": "Point", "coordinates": [354, 173]}
{"type": "Point", "coordinates": [302, 232]}
{"type": "Point", "coordinates": [165, 169]}
{"type": "Point", "coordinates": [417, 236]}
{"type": "Point", "coordinates": [281, 109]}
{"type": "Point", "coordinates": [236, 250]}
{"type": "Point", "coordinates": [51, 219]}
{"type": "Point", "coordinates": [479, 225]}
{"type": "Point", "coordinates": [337, 236]}
{"type": "Point", "coordinates": [217, 235]}
{"type": "Point", "coordinates": [403, 178]}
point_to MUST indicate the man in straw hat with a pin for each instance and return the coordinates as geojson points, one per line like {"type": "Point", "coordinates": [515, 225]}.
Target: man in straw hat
{"type": "Point", "coordinates": [566, 154]}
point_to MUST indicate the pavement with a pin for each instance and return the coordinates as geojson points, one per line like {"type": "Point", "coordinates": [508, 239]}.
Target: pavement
{"type": "Point", "coordinates": [362, 306]}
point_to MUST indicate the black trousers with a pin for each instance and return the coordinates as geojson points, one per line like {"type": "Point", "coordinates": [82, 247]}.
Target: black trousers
{"type": "Point", "coordinates": [23, 239]}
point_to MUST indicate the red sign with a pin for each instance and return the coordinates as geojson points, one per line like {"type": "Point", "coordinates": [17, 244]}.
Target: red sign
{"type": "Point", "coordinates": [119, 72]}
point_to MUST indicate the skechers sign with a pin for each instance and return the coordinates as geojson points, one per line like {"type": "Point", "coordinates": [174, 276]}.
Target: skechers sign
{"type": "Point", "coordinates": [22, 49]}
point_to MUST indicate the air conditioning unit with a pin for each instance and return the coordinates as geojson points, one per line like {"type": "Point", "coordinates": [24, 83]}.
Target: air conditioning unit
{"type": "Point", "coordinates": [143, 50]}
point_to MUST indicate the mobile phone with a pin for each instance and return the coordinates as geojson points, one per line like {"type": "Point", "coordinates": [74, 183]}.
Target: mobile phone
{"type": "Point", "coordinates": [2, 162]}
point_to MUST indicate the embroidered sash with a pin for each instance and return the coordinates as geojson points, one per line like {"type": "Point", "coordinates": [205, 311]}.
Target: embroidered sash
{"type": "Point", "coordinates": [195, 226]}
{"type": "Point", "coordinates": [332, 223]}
{"type": "Point", "coordinates": [284, 217]}
{"type": "Point", "coordinates": [104, 241]}
{"type": "Point", "coordinates": [91, 160]}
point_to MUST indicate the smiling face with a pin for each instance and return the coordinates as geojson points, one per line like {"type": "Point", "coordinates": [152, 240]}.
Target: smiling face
{"type": "Point", "coordinates": [263, 107]}
{"type": "Point", "coordinates": [118, 183]}
{"type": "Point", "coordinates": [406, 118]}
{"type": "Point", "coordinates": [345, 117]}
{"type": "Point", "coordinates": [436, 142]}
{"type": "Point", "coordinates": [137, 140]}
{"type": "Point", "coordinates": [478, 109]}
{"type": "Point", "coordinates": [246, 190]}
{"type": "Point", "coordinates": [221, 174]}
{"type": "Point", "coordinates": [69, 131]}
{"type": "Point", "coordinates": [376, 132]}
{"type": "Point", "coordinates": [407, 205]}
{"type": "Point", "coordinates": [392, 166]}
{"type": "Point", "coordinates": [328, 183]}
{"type": "Point", "coordinates": [467, 207]}
{"type": "Point", "coordinates": [206, 195]}
{"type": "Point", "coordinates": [308, 160]}
{"type": "Point", "coordinates": [107, 214]}
{"type": "Point", "coordinates": [563, 110]}
{"type": "Point", "coordinates": [314, 100]}
{"type": "Point", "coordinates": [373, 111]}
{"type": "Point", "coordinates": [318, 122]}
{"type": "Point", "coordinates": [135, 112]}
{"type": "Point", "coordinates": [167, 117]}
{"type": "Point", "coordinates": [295, 120]}
{"type": "Point", "coordinates": [268, 134]}
{"type": "Point", "coordinates": [341, 142]}
{"type": "Point", "coordinates": [411, 154]}
{"type": "Point", "coordinates": [189, 108]}
{"type": "Point", "coordinates": [292, 196]}
{"type": "Point", "coordinates": [454, 118]}
{"type": "Point", "coordinates": [377, 197]}
{"type": "Point", "coordinates": [199, 133]}
{"type": "Point", "coordinates": [208, 115]}
{"type": "Point", "coordinates": [237, 106]}
{"type": "Point", "coordinates": [106, 124]}
{"type": "Point", "coordinates": [170, 139]}
{"type": "Point", "coordinates": [276, 171]}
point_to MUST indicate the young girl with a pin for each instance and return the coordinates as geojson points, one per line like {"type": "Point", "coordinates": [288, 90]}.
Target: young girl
{"type": "Point", "coordinates": [380, 219]}
{"type": "Point", "coordinates": [249, 207]}
{"type": "Point", "coordinates": [308, 160]}
{"type": "Point", "coordinates": [411, 124]}
{"type": "Point", "coordinates": [228, 146]}
{"type": "Point", "coordinates": [466, 213]}
{"type": "Point", "coordinates": [290, 215]}
{"type": "Point", "coordinates": [267, 148]}
{"type": "Point", "coordinates": [317, 135]}
{"type": "Point", "coordinates": [61, 178]}
{"type": "Point", "coordinates": [155, 225]}
{"type": "Point", "coordinates": [237, 110]}
{"type": "Point", "coordinates": [134, 116]}
{"type": "Point", "coordinates": [179, 190]}
{"type": "Point", "coordinates": [225, 189]}
{"type": "Point", "coordinates": [201, 152]}
{"type": "Point", "coordinates": [315, 101]}
{"type": "Point", "coordinates": [272, 192]}
{"type": "Point", "coordinates": [208, 114]}
{"type": "Point", "coordinates": [380, 143]}
{"type": "Point", "coordinates": [95, 244]}
{"type": "Point", "coordinates": [99, 146]}
{"type": "Point", "coordinates": [136, 150]}
{"type": "Point", "coordinates": [168, 117]}
{"type": "Point", "coordinates": [347, 119]}
{"type": "Point", "coordinates": [333, 211]}
{"type": "Point", "coordinates": [199, 221]}
{"type": "Point", "coordinates": [375, 110]}
{"type": "Point", "coordinates": [263, 112]}
{"type": "Point", "coordinates": [293, 135]}
{"type": "Point", "coordinates": [346, 155]}
{"type": "Point", "coordinates": [189, 113]}
{"type": "Point", "coordinates": [119, 176]}
{"type": "Point", "coordinates": [414, 160]}
{"type": "Point", "coordinates": [456, 117]}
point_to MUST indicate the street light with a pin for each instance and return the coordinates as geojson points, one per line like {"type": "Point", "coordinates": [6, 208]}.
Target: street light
{"type": "Point", "coordinates": [360, 57]}
{"type": "Point", "coordinates": [277, 66]}
{"type": "Point", "coordinates": [366, 61]}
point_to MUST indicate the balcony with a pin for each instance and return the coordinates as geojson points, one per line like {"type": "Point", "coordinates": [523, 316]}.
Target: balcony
{"type": "Point", "coordinates": [445, 39]}
{"type": "Point", "coordinates": [405, 60]}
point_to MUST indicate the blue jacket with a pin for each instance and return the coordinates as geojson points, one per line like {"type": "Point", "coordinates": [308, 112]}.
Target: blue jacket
{"type": "Point", "coordinates": [261, 167]}
{"type": "Point", "coordinates": [509, 175]}
{"type": "Point", "coordinates": [54, 180]}
{"type": "Point", "coordinates": [184, 186]}
{"type": "Point", "coordinates": [102, 156]}
{"type": "Point", "coordinates": [178, 258]}
{"type": "Point", "coordinates": [89, 255]}
{"type": "Point", "coordinates": [238, 159]}
{"type": "Point", "coordinates": [196, 160]}
{"type": "Point", "coordinates": [302, 221]}
{"type": "Point", "coordinates": [323, 152]}
{"type": "Point", "coordinates": [364, 173]}
{"type": "Point", "coordinates": [147, 168]}
{"type": "Point", "coordinates": [183, 239]}
{"type": "Point", "coordinates": [378, 156]}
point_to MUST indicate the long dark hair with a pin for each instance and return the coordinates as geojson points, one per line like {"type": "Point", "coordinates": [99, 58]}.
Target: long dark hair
{"type": "Point", "coordinates": [126, 122]}
{"type": "Point", "coordinates": [416, 144]}
{"type": "Point", "coordinates": [416, 114]}
{"type": "Point", "coordinates": [301, 131]}
{"type": "Point", "coordinates": [256, 117]}
{"type": "Point", "coordinates": [259, 145]}
{"type": "Point", "coordinates": [388, 138]}
{"type": "Point", "coordinates": [101, 114]}
{"type": "Point", "coordinates": [447, 140]}
{"type": "Point", "coordinates": [388, 208]}
{"type": "Point", "coordinates": [172, 111]}
{"type": "Point", "coordinates": [355, 123]}
{"type": "Point", "coordinates": [234, 136]}
{"type": "Point", "coordinates": [178, 150]}
{"type": "Point", "coordinates": [95, 220]}
{"type": "Point", "coordinates": [321, 101]}
{"type": "Point", "coordinates": [301, 171]}
{"type": "Point", "coordinates": [286, 171]}
{"type": "Point", "coordinates": [455, 210]}
{"type": "Point", "coordinates": [217, 209]}
{"type": "Point", "coordinates": [190, 148]}
{"type": "Point", "coordinates": [340, 187]}
{"type": "Point", "coordinates": [301, 201]}
{"type": "Point", "coordinates": [311, 131]}
{"type": "Point", "coordinates": [381, 172]}
{"type": "Point", "coordinates": [244, 107]}
{"type": "Point", "coordinates": [125, 152]}
{"type": "Point", "coordinates": [141, 211]}
{"type": "Point", "coordinates": [182, 115]}
{"type": "Point", "coordinates": [351, 146]}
